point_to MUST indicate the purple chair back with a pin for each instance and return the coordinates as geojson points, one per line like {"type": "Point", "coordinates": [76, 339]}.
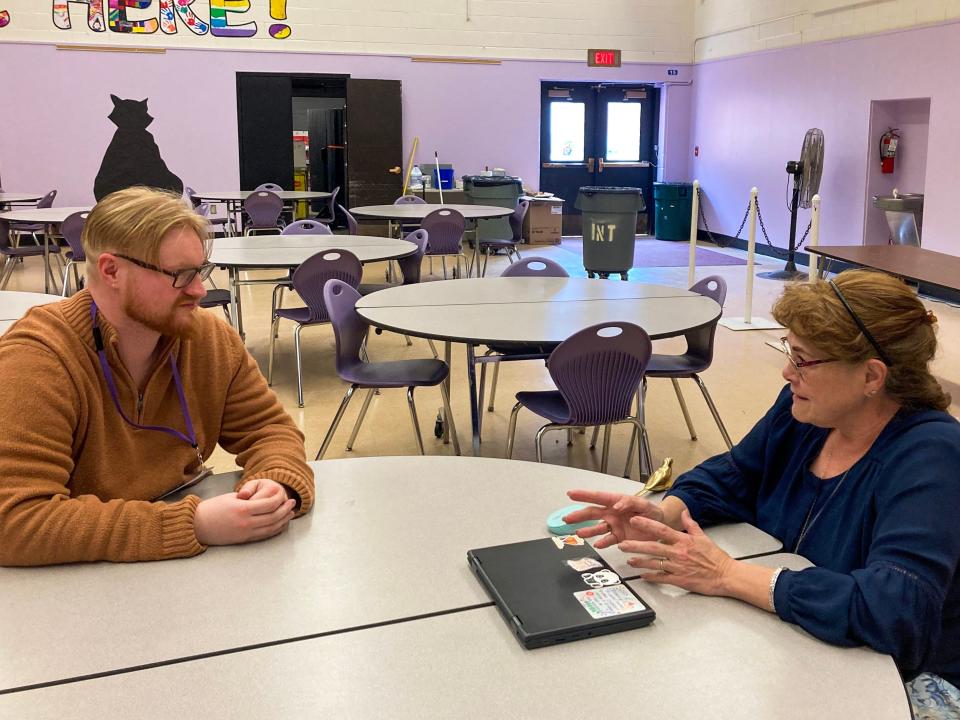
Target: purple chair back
{"type": "Point", "coordinates": [516, 220]}
{"type": "Point", "coordinates": [191, 195]}
{"type": "Point", "coordinates": [306, 227]}
{"type": "Point", "coordinates": [47, 200]}
{"type": "Point", "coordinates": [598, 370]}
{"type": "Point", "coordinates": [535, 267]}
{"type": "Point", "coordinates": [353, 227]}
{"type": "Point", "coordinates": [411, 264]}
{"type": "Point", "coordinates": [4, 234]}
{"type": "Point", "coordinates": [700, 340]}
{"type": "Point", "coordinates": [272, 187]}
{"type": "Point", "coordinates": [445, 227]}
{"type": "Point", "coordinates": [326, 213]}
{"type": "Point", "coordinates": [264, 208]}
{"type": "Point", "coordinates": [309, 278]}
{"type": "Point", "coordinates": [349, 328]}
{"type": "Point", "coordinates": [409, 200]}
{"type": "Point", "coordinates": [71, 229]}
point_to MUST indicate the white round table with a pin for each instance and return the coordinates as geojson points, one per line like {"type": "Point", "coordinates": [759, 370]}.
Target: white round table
{"type": "Point", "coordinates": [374, 582]}
{"type": "Point", "coordinates": [14, 305]}
{"type": "Point", "coordinates": [52, 218]}
{"type": "Point", "coordinates": [529, 311]}
{"type": "Point", "coordinates": [12, 197]}
{"type": "Point", "coordinates": [238, 196]}
{"type": "Point", "coordinates": [418, 211]}
{"type": "Point", "coordinates": [289, 251]}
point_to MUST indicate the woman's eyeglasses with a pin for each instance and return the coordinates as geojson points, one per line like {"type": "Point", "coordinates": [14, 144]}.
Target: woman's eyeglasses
{"type": "Point", "coordinates": [799, 364]}
{"type": "Point", "coordinates": [181, 278]}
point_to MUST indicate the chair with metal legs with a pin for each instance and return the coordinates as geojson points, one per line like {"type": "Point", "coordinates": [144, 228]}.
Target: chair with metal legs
{"type": "Point", "coordinates": [485, 247]}
{"type": "Point", "coordinates": [696, 359]}
{"type": "Point", "coordinates": [308, 281]}
{"type": "Point", "coordinates": [529, 267]}
{"type": "Point", "coordinates": [72, 229]}
{"type": "Point", "coordinates": [263, 209]}
{"type": "Point", "coordinates": [446, 228]}
{"type": "Point", "coordinates": [17, 229]}
{"type": "Point", "coordinates": [350, 331]}
{"type": "Point", "coordinates": [597, 372]}
{"type": "Point", "coordinates": [14, 254]}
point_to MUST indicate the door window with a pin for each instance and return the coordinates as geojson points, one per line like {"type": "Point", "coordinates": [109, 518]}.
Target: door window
{"type": "Point", "coordinates": [623, 131]}
{"type": "Point", "coordinates": [567, 131]}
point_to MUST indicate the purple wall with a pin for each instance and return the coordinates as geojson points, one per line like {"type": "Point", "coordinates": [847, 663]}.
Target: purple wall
{"type": "Point", "coordinates": [749, 115]}
{"type": "Point", "coordinates": [474, 115]}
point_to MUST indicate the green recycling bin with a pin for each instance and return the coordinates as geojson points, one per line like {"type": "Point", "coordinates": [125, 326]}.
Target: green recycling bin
{"type": "Point", "coordinates": [672, 205]}
{"type": "Point", "coordinates": [497, 190]}
{"type": "Point", "coordinates": [609, 228]}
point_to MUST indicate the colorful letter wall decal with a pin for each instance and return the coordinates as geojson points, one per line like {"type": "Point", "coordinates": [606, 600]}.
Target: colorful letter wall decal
{"type": "Point", "coordinates": [4, 18]}
{"type": "Point", "coordinates": [95, 21]}
{"type": "Point", "coordinates": [168, 22]}
{"type": "Point", "coordinates": [169, 14]}
{"type": "Point", "coordinates": [118, 22]}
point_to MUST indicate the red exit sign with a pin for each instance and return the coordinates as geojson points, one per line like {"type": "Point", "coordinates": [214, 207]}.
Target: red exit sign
{"type": "Point", "coordinates": [603, 58]}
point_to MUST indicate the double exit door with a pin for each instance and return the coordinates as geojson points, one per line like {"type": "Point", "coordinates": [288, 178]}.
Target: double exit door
{"type": "Point", "coordinates": [598, 135]}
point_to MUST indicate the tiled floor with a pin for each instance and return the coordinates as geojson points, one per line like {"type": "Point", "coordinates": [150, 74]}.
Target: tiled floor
{"type": "Point", "coordinates": [744, 379]}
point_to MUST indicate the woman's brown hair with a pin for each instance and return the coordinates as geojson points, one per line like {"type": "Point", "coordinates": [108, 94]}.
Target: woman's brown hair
{"type": "Point", "coordinates": [899, 323]}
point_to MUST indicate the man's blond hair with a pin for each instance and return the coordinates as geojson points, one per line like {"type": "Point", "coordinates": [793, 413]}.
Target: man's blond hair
{"type": "Point", "coordinates": [135, 221]}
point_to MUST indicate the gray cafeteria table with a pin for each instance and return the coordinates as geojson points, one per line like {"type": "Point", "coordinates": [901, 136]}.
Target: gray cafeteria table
{"type": "Point", "coordinates": [12, 198]}
{"type": "Point", "coordinates": [52, 218]}
{"type": "Point", "coordinates": [234, 199]}
{"type": "Point", "coordinates": [703, 657]}
{"type": "Point", "coordinates": [288, 251]}
{"type": "Point", "coordinates": [386, 541]}
{"type": "Point", "coordinates": [529, 311]}
{"type": "Point", "coordinates": [14, 305]}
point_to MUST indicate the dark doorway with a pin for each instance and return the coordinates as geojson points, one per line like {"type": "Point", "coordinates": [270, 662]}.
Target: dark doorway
{"type": "Point", "coordinates": [598, 134]}
{"type": "Point", "coordinates": [374, 141]}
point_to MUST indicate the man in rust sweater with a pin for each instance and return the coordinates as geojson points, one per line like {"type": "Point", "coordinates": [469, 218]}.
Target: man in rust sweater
{"type": "Point", "coordinates": [115, 397]}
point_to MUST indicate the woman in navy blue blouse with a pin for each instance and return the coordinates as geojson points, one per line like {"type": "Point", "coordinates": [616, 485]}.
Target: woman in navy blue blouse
{"type": "Point", "coordinates": [854, 467]}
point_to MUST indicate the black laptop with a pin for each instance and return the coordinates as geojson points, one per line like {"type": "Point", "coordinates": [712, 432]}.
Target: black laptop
{"type": "Point", "coordinates": [557, 589]}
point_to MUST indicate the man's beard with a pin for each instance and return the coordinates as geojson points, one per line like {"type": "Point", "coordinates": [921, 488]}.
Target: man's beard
{"type": "Point", "coordinates": [170, 322]}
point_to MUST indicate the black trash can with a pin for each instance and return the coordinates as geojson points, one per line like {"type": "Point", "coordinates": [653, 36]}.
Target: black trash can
{"type": "Point", "coordinates": [497, 190]}
{"type": "Point", "coordinates": [672, 204]}
{"type": "Point", "coordinates": [609, 228]}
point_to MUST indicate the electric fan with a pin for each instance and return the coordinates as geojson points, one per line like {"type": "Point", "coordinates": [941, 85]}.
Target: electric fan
{"type": "Point", "coordinates": [806, 183]}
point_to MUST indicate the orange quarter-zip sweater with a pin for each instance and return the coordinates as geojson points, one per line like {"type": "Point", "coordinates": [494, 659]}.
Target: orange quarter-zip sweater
{"type": "Point", "coordinates": [76, 481]}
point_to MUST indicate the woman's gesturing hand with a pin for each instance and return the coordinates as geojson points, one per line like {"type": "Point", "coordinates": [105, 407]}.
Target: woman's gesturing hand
{"type": "Point", "coordinates": [614, 513]}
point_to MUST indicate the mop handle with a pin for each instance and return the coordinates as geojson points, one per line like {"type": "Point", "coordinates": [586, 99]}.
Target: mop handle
{"type": "Point", "coordinates": [436, 160]}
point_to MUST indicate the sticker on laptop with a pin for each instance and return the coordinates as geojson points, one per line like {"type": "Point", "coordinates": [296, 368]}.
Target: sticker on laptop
{"type": "Point", "coordinates": [584, 564]}
{"type": "Point", "coordinates": [562, 541]}
{"type": "Point", "coordinates": [609, 601]}
{"type": "Point", "coordinates": [601, 578]}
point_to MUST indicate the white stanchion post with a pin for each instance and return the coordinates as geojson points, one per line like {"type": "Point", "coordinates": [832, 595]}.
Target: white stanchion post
{"type": "Point", "coordinates": [751, 249]}
{"type": "Point", "coordinates": [694, 218]}
{"type": "Point", "coordinates": [814, 238]}
{"type": "Point", "coordinates": [748, 322]}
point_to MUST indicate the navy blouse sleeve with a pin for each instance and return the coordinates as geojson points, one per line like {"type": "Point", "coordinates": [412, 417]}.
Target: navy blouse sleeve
{"type": "Point", "coordinates": [894, 603]}
{"type": "Point", "coordinates": [725, 487]}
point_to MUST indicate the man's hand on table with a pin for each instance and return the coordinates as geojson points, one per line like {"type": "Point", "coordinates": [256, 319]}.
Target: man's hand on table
{"type": "Point", "coordinates": [259, 510]}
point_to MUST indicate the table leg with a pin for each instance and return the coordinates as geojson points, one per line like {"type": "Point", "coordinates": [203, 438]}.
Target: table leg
{"type": "Point", "coordinates": [474, 402]}
{"type": "Point", "coordinates": [47, 270]}
{"type": "Point", "coordinates": [447, 356]}
{"type": "Point", "coordinates": [235, 309]}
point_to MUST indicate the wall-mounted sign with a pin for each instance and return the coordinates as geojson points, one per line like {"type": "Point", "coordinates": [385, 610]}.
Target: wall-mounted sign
{"type": "Point", "coordinates": [603, 58]}
{"type": "Point", "coordinates": [673, 71]}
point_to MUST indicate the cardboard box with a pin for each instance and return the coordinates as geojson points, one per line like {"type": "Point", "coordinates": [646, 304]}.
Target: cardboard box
{"type": "Point", "coordinates": [544, 222]}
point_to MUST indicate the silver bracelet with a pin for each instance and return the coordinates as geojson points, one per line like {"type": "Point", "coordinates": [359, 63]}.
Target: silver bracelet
{"type": "Point", "coordinates": [773, 586]}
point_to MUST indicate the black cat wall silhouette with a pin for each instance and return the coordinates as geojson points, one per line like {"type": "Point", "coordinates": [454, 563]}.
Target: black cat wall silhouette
{"type": "Point", "coordinates": [132, 158]}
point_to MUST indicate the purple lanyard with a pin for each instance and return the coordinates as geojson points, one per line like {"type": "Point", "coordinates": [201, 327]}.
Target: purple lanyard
{"type": "Point", "coordinates": [190, 437]}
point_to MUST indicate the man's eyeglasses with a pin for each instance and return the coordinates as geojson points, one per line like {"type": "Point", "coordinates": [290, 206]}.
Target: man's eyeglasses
{"type": "Point", "coordinates": [181, 278]}
{"type": "Point", "coordinates": [860, 325]}
{"type": "Point", "coordinates": [799, 364]}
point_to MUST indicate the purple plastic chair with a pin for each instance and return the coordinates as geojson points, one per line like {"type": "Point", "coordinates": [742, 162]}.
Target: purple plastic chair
{"type": "Point", "coordinates": [308, 281]}
{"type": "Point", "coordinates": [597, 371]}
{"type": "Point", "coordinates": [327, 213]}
{"type": "Point", "coordinates": [350, 331]}
{"type": "Point", "coordinates": [72, 229]}
{"type": "Point", "coordinates": [263, 209]}
{"type": "Point", "coordinates": [13, 254]}
{"type": "Point", "coordinates": [696, 359]}
{"type": "Point", "coordinates": [487, 247]}
{"type": "Point", "coordinates": [272, 187]}
{"type": "Point", "coordinates": [306, 227]}
{"type": "Point", "coordinates": [445, 227]}
{"type": "Point", "coordinates": [409, 200]}
{"type": "Point", "coordinates": [29, 228]}
{"type": "Point", "coordinates": [353, 227]}
{"type": "Point", "coordinates": [218, 224]}
{"type": "Point", "coordinates": [409, 265]}
{"type": "Point", "coordinates": [531, 267]}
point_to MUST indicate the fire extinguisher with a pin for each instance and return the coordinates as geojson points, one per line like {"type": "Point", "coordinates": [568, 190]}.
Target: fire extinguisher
{"type": "Point", "coordinates": [888, 150]}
